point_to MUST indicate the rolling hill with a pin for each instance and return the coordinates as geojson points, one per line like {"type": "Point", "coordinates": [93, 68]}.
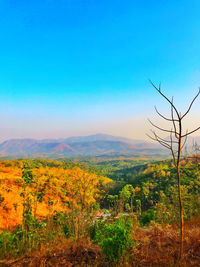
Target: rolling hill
{"type": "Point", "coordinates": [98, 144]}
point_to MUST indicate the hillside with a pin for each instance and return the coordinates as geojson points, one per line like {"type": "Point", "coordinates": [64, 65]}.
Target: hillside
{"type": "Point", "coordinates": [58, 212]}
{"type": "Point", "coordinates": [50, 187]}
{"type": "Point", "coordinates": [99, 144]}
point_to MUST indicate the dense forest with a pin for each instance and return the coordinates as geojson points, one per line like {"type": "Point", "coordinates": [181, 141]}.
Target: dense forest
{"type": "Point", "coordinates": [97, 213]}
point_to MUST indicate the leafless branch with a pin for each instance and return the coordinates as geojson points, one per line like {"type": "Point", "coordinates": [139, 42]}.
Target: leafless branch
{"type": "Point", "coordinates": [172, 151]}
{"type": "Point", "coordinates": [170, 147]}
{"type": "Point", "coordinates": [159, 91]}
{"type": "Point", "coordinates": [191, 104]}
{"type": "Point", "coordinates": [164, 140]}
{"type": "Point", "coordinates": [191, 132]}
{"type": "Point", "coordinates": [160, 139]}
{"type": "Point", "coordinates": [173, 121]}
{"type": "Point", "coordinates": [159, 128]}
{"type": "Point", "coordinates": [160, 142]}
{"type": "Point", "coordinates": [167, 119]}
{"type": "Point", "coordinates": [185, 140]}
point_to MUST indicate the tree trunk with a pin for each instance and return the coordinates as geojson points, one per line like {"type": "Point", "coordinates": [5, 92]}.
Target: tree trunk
{"type": "Point", "coordinates": [180, 213]}
{"type": "Point", "coordinates": [180, 199]}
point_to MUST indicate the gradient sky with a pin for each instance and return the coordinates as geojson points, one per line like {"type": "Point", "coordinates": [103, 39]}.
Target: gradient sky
{"type": "Point", "coordinates": [70, 67]}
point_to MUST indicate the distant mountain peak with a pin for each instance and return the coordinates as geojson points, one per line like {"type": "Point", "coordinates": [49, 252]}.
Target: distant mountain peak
{"type": "Point", "coordinates": [96, 144]}
{"type": "Point", "coordinates": [62, 147]}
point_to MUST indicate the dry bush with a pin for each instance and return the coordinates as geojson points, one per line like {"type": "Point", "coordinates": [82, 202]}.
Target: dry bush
{"type": "Point", "coordinates": [159, 245]}
{"type": "Point", "coordinates": [62, 253]}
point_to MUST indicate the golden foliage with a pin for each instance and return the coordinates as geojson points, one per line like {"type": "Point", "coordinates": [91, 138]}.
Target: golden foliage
{"type": "Point", "coordinates": [52, 189]}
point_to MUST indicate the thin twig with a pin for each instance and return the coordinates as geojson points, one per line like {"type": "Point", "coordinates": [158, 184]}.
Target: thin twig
{"type": "Point", "coordinates": [168, 141]}
{"type": "Point", "coordinates": [167, 119]}
{"type": "Point", "coordinates": [173, 120]}
{"type": "Point", "coordinates": [185, 140]}
{"type": "Point", "coordinates": [158, 141]}
{"type": "Point", "coordinates": [159, 91]}
{"type": "Point", "coordinates": [191, 132]}
{"type": "Point", "coordinates": [159, 128]}
{"type": "Point", "coordinates": [172, 151]}
{"type": "Point", "coordinates": [191, 105]}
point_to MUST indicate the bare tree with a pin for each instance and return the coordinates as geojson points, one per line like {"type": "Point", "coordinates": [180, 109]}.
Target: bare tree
{"type": "Point", "coordinates": [175, 141]}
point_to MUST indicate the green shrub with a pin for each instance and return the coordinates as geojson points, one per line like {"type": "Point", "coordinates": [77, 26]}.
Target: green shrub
{"type": "Point", "coordinates": [11, 243]}
{"type": "Point", "coordinates": [63, 223]}
{"type": "Point", "coordinates": [115, 238]}
{"type": "Point", "coordinates": [147, 217]}
{"type": "Point", "coordinates": [96, 231]}
{"type": "Point", "coordinates": [66, 230]}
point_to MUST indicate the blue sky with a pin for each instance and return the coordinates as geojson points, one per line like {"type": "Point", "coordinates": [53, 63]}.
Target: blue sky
{"type": "Point", "coordinates": [70, 67]}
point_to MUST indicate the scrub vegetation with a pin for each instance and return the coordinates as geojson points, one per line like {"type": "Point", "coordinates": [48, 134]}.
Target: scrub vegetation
{"type": "Point", "coordinates": [56, 213]}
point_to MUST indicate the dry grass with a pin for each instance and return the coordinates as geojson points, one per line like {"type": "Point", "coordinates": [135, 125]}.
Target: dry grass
{"type": "Point", "coordinates": [62, 253]}
{"type": "Point", "coordinates": [159, 246]}
{"type": "Point", "coordinates": [156, 246]}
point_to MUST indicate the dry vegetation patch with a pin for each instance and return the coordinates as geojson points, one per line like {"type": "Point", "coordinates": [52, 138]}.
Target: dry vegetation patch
{"type": "Point", "coordinates": [159, 246]}
{"type": "Point", "coordinates": [62, 253]}
{"type": "Point", "coordinates": [155, 246]}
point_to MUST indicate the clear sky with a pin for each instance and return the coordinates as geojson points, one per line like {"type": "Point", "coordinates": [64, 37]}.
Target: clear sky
{"type": "Point", "coordinates": [78, 67]}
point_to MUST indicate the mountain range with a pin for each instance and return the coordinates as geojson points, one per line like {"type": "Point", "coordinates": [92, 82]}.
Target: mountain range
{"type": "Point", "coordinates": [91, 145]}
